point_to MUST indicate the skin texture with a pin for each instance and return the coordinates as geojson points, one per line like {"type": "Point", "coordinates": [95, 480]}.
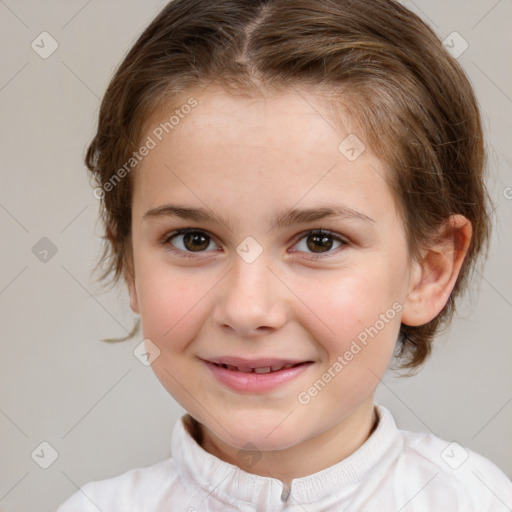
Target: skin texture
{"type": "Point", "coordinates": [245, 159]}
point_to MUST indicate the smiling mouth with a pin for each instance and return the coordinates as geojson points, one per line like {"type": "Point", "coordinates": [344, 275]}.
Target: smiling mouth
{"type": "Point", "coordinates": [260, 375]}
{"type": "Point", "coordinates": [264, 369]}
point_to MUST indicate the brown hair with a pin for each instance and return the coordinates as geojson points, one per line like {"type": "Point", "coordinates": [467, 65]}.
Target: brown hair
{"type": "Point", "coordinates": [410, 100]}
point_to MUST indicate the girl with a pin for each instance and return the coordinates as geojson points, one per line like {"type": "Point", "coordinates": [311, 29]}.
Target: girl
{"type": "Point", "coordinates": [293, 193]}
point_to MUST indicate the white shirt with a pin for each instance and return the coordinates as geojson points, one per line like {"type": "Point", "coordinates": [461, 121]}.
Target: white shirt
{"type": "Point", "coordinates": [394, 470]}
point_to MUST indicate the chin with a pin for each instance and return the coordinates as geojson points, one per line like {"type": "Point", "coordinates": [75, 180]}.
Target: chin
{"type": "Point", "coordinates": [273, 434]}
{"type": "Point", "coordinates": [259, 442]}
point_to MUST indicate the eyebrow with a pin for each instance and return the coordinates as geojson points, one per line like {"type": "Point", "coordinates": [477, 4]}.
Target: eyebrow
{"type": "Point", "coordinates": [281, 219]}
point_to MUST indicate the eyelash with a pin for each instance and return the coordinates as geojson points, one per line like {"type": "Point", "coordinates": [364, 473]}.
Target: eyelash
{"type": "Point", "coordinates": [166, 242]}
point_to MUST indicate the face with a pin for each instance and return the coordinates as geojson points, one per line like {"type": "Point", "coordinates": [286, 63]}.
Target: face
{"type": "Point", "coordinates": [257, 236]}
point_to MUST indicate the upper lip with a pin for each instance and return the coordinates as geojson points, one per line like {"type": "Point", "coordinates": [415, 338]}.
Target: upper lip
{"type": "Point", "coordinates": [254, 363]}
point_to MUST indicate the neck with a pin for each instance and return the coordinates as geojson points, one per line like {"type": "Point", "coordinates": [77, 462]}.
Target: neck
{"type": "Point", "coordinates": [310, 456]}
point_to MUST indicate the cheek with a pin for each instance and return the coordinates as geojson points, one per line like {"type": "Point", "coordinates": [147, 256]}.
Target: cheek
{"type": "Point", "coordinates": [353, 311]}
{"type": "Point", "coordinates": [353, 301]}
{"type": "Point", "coordinates": [171, 306]}
{"type": "Point", "coordinates": [173, 309]}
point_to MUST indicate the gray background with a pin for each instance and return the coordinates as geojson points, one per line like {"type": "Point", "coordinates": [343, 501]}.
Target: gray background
{"type": "Point", "coordinates": [96, 404]}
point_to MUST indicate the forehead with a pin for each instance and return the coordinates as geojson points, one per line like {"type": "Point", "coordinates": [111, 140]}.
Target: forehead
{"type": "Point", "coordinates": [261, 118]}
{"type": "Point", "coordinates": [280, 145]}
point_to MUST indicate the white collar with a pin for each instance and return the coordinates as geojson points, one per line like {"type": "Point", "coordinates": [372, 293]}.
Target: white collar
{"type": "Point", "coordinates": [230, 484]}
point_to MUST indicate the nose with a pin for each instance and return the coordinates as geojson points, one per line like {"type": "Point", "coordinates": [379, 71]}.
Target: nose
{"type": "Point", "coordinates": [251, 300]}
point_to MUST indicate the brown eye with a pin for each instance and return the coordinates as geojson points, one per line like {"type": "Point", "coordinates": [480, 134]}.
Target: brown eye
{"type": "Point", "coordinates": [196, 241]}
{"type": "Point", "coordinates": [319, 242]}
{"type": "Point", "coordinates": [190, 241]}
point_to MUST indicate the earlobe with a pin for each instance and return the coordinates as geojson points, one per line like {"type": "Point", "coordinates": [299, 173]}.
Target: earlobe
{"type": "Point", "coordinates": [433, 278]}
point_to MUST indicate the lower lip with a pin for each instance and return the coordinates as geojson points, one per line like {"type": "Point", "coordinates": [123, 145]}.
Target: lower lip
{"type": "Point", "coordinates": [255, 382]}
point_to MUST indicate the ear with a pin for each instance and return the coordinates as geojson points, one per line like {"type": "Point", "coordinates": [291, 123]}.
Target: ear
{"type": "Point", "coordinates": [434, 275]}
{"type": "Point", "coordinates": [129, 278]}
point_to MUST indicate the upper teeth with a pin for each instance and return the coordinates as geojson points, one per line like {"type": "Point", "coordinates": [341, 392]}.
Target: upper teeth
{"type": "Point", "coordinates": [264, 369]}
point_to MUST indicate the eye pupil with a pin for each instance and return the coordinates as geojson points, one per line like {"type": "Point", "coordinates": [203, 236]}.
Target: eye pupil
{"type": "Point", "coordinates": [195, 241]}
{"type": "Point", "coordinates": [314, 241]}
